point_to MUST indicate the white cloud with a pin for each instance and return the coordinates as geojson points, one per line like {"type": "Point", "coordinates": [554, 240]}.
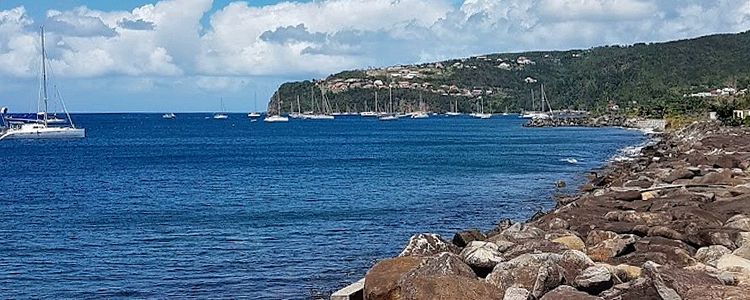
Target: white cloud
{"type": "Point", "coordinates": [315, 38]}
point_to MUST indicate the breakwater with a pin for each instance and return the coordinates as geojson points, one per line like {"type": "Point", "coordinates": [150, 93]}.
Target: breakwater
{"type": "Point", "coordinates": [670, 223]}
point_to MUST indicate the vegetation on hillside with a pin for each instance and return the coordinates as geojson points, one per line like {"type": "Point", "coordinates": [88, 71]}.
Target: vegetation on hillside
{"type": "Point", "coordinates": [642, 79]}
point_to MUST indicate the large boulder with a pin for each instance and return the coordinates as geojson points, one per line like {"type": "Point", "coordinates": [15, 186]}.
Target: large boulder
{"type": "Point", "coordinates": [482, 256]}
{"type": "Point", "coordinates": [520, 231]}
{"type": "Point", "coordinates": [381, 281]}
{"type": "Point", "coordinates": [565, 292]}
{"type": "Point", "coordinates": [637, 217]}
{"type": "Point", "coordinates": [427, 244]}
{"type": "Point", "coordinates": [681, 173]}
{"type": "Point", "coordinates": [446, 287]}
{"type": "Point", "coordinates": [660, 250]}
{"type": "Point", "coordinates": [710, 255]}
{"type": "Point", "coordinates": [734, 263]}
{"type": "Point", "coordinates": [743, 251]}
{"type": "Point", "coordinates": [572, 242]}
{"type": "Point", "coordinates": [463, 238]}
{"type": "Point", "coordinates": [608, 249]}
{"type": "Point", "coordinates": [741, 222]}
{"type": "Point", "coordinates": [533, 246]}
{"type": "Point", "coordinates": [594, 280]}
{"type": "Point", "coordinates": [443, 264]}
{"type": "Point", "coordinates": [572, 263]}
{"type": "Point", "coordinates": [677, 283]}
{"type": "Point", "coordinates": [597, 236]}
{"type": "Point", "coordinates": [538, 273]}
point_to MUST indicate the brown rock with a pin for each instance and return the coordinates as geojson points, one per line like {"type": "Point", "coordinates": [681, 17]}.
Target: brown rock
{"type": "Point", "coordinates": [533, 246]}
{"type": "Point", "coordinates": [598, 236]}
{"type": "Point", "coordinates": [463, 238]}
{"type": "Point", "coordinates": [630, 195]}
{"type": "Point", "coordinates": [446, 287]}
{"type": "Point", "coordinates": [710, 255]}
{"type": "Point", "coordinates": [572, 263]}
{"type": "Point", "coordinates": [565, 292]}
{"type": "Point", "coordinates": [594, 280]}
{"type": "Point", "coordinates": [571, 242]}
{"type": "Point", "coordinates": [675, 283]}
{"type": "Point", "coordinates": [723, 177]}
{"type": "Point", "coordinates": [381, 281]}
{"type": "Point", "coordinates": [682, 173]}
{"type": "Point", "coordinates": [741, 222]}
{"type": "Point", "coordinates": [608, 249]}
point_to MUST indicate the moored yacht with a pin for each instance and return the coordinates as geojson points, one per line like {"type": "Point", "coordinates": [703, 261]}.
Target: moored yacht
{"type": "Point", "coordinates": [277, 117]}
{"type": "Point", "coordinates": [480, 114]}
{"type": "Point", "coordinates": [41, 128]}
{"type": "Point", "coordinates": [169, 116]}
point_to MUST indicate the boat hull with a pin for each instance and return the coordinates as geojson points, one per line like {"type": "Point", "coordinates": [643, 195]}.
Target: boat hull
{"type": "Point", "coordinates": [45, 133]}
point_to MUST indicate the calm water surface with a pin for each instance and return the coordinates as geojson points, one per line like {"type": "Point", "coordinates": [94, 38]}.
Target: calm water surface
{"type": "Point", "coordinates": [153, 208]}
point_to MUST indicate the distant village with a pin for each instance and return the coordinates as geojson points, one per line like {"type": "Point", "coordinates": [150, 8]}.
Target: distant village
{"type": "Point", "coordinates": [419, 77]}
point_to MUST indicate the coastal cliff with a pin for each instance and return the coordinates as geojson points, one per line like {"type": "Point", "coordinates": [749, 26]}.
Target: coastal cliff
{"type": "Point", "coordinates": [670, 223]}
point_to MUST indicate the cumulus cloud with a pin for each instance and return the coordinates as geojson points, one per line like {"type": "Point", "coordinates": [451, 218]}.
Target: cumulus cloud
{"type": "Point", "coordinates": [303, 39]}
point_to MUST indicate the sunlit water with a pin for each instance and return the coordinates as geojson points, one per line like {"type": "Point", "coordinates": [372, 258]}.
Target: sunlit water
{"type": "Point", "coordinates": [152, 208]}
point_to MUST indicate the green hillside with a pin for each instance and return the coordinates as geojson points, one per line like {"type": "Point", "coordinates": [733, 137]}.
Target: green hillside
{"type": "Point", "coordinates": [642, 79]}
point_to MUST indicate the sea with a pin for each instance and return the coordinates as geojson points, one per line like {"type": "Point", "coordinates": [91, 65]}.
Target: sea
{"type": "Point", "coordinates": [146, 207]}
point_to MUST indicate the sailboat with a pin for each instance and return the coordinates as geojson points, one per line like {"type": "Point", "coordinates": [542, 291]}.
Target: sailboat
{"type": "Point", "coordinates": [298, 113]}
{"type": "Point", "coordinates": [389, 116]}
{"type": "Point", "coordinates": [169, 116]}
{"type": "Point", "coordinates": [481, 114]}
{"type": "Point", "coordinates": [370, 113]}
{"type": "Point", "coordinates": [276, 118]}
{"type": "Point", "coordinates": [254, 115]}
{"type": "Point", "coordinates": [422, 113]}
{"type": "Point", "coordinates": [325, 109]}
{"type": "Point", "coordinates": [222, 115]}
{"type": "Point", "coordinates": [540, 114]}
{"type": "Point", "coordinates": [454, 110]}
{"type": "Point", "coordinates": [41, 128]}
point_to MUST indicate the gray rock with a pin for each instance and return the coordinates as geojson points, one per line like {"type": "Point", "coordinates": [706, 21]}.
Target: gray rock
{"type": "Point", "coordinates": [538, 273]}
{"type": "Point", "coordinates": [515, 293]}
{"type": "Point", "coordinates": [608, 249]}
{"type": "Point", "coordinates": [743, 251]}
{"type": "Point", "coordinates": [443, 264]}
{"type": "Point", "coordinates": [573, 263]}
{"type": "Point", "coordinates": [594, 280]}
{"type": "Point", "coordinates": [521, 231]}
{"type": "Point", "coordinates": [481, 254]}
{"type": "Point", "coordinates": [711, 254]}
{"type": "Point", "coordinates": [565, 292]}
{"type": "Point", "coordinates": [741, 222]}
{"type": "Point", "coordinates": [427, 244]}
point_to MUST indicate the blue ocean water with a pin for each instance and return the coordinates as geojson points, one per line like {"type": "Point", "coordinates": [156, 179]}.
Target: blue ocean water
{"type": "Point", "coordinates": [152, 208]}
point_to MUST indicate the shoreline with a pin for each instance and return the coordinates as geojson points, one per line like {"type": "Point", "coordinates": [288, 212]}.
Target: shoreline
{"type": "Point", "coordinates": [646, 226]}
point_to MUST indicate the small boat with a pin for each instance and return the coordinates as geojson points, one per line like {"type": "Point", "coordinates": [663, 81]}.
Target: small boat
{"type": "Point", "coordinates": [324, 108]}
{"type": "Point", "coordinates": [41, 128]}
{"type": "Point", "coordinates": [169, 116]}
{"type": "Point", "coordinates": [420, 115]}
{"type": "Point", "coordinates": [388, 118]}
{"type": "Point", "coordinates": [317, 117]}
{"type": "Point", "coordinates": [253, 116]}
{"type": "Point", "coordinates": [454, 111]}
{"type": "Point", "coordinates": [368, 114]}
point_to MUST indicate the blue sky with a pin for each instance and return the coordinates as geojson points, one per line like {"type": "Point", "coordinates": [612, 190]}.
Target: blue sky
{"type": "Point", "coordinates": [183, 55]}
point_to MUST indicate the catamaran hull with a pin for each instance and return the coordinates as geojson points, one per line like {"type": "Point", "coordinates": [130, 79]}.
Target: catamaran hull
{"type": "Point", "coordinates": [45, 133]}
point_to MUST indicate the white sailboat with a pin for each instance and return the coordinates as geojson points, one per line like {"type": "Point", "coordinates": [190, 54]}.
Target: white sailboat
{"type": "Point", "coordinates": [370, 113]}
{"type": "Point", "coordinates": [454, 110]}
{"type": "Point", "coordinates": [276, 118]}
{"type": "Point", "coordinates": [41, 128]}
{"type": "Point", "coordinates": [481, 114]}
{"type": "Point", "coordinates": [389, 116]}
{"type": "Point", "coordinates": [422, 113]}
{"type": "Point", "coordinates": [325, 108]}
{"type": "Point", "coordinates": [222, 115]}
{"type": "Point", "coordinates": [255, 114]}
{"type": "Point", "coordinates": [169, 116]}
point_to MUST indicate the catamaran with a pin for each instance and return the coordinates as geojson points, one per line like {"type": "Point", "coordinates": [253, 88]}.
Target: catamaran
{"type": "Point", "coordinates": [41, 127]}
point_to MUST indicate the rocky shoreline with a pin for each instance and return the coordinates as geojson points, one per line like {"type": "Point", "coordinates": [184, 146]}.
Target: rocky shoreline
{"type": "Point", "coordinates": [672, 223]}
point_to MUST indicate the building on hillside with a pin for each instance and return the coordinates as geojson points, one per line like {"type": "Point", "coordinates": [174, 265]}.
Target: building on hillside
{"type": "Point", "coordinates": [741, 113]}
{"type": "Point", "coordinates": [523, 60]}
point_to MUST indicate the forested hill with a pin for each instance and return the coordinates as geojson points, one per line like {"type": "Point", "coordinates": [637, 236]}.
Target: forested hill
{"type": "Point", "coordinates": [644, 79]}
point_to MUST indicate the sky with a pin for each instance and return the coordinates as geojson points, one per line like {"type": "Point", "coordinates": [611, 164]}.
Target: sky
{"type": "Point", "coordinates": [189, 55]}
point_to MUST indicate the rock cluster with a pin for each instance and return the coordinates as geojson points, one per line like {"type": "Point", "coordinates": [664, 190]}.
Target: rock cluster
{"type": "Point", "coordinates": [672, 223]}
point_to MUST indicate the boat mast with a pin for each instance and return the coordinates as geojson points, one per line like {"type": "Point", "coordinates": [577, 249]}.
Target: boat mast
{"type": "Point", "coordinates": [390, 99]}
{"type": "Point", "coordinates": [299, 108]}
{"type": "Point", "coordinates": [377, 110]}
{"type": "Point", "coordinates": [44, 77]}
